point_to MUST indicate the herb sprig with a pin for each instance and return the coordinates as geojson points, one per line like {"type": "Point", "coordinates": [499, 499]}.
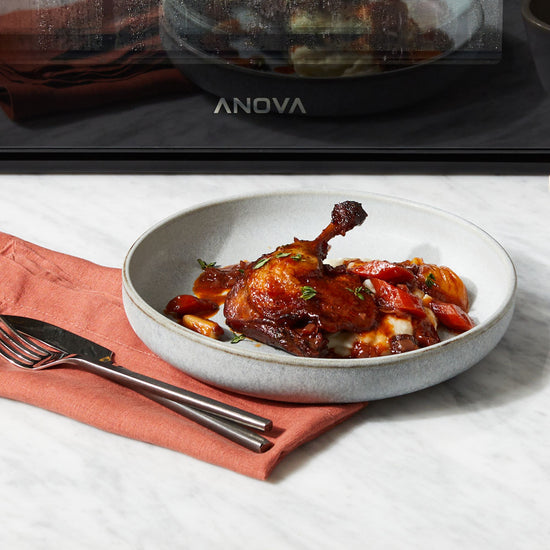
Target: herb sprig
{"type": "Point", "coordinates": [308, 292]}
{"type": "Point", "coordinates": [430, 280]}
{"type": "Point", "coordinates": [358, 291]}
{"type": "Point", "coordinates": [204, 265]}
{"type": "Point", "coordinates": [262, 262]}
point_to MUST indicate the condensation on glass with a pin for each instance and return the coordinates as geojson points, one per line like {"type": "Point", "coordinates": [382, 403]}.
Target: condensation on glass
{"type": "Point", "coordinates": [332, 38]}
{"type": "Point", "coordinates": [288, 37]}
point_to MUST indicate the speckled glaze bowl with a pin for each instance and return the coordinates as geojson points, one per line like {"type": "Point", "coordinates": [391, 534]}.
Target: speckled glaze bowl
{"type": "Point", "coordinates": [162, 263]}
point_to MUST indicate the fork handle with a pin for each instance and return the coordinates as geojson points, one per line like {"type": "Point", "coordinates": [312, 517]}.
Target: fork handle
{"type": "Point", "coordinates": [236, 433]}
{"type": "Point", "coordinates": [142, 383]}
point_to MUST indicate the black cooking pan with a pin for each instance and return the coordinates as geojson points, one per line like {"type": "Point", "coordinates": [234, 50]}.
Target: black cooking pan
{"type": "Point", "coordinates": [243, 89]}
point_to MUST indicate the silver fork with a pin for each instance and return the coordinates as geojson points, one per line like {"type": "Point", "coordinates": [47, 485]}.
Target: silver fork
{"type": "Point", "coordinates": [34, 354]}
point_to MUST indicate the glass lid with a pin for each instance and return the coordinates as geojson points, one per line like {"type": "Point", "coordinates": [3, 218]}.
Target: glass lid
{"type": "Point", "coordinates": [319, 38]}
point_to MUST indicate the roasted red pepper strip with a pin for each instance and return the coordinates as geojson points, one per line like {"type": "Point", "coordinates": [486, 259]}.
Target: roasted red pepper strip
{"type": "Point", "coordinates": [393, 297]}
{"type": "Point", "coordinates": [451, 316]}
{"type": "Point", "coordinates": [187, 304]}
{"type": "Point", "coordinates": [381, 269]}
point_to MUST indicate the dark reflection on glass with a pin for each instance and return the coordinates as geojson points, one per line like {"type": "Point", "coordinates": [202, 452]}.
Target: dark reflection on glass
{"type": "Point", "coordinates": [59, 55]}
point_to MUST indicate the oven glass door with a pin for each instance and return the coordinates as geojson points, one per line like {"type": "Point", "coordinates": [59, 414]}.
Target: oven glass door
{"type": "Point", "coordinates": [184, 76]}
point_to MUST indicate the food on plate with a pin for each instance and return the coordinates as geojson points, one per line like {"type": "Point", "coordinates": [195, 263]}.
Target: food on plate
{"type": "Point", "coordinates": [325, 38]}
{"type": "Point", "coordinates": [203, 326]}
{"type": "Point", "coordinates": [295, 300]}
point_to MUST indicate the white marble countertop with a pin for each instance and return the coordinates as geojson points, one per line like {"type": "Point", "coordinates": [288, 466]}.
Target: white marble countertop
{"type": "Point", "coordinates": [463, 465]}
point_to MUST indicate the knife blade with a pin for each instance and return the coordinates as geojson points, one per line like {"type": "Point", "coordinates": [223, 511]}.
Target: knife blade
{"type": "Point", "coordinates": [61, 338]}
{"type": "Point", "coordinates": [102, 356]}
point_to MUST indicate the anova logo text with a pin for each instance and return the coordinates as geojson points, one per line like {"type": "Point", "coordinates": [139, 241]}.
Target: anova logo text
{"type": "Point", "coordinates": [260, 105]}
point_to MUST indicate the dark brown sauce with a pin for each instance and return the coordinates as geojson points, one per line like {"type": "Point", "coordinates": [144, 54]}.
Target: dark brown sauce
{"type": "Point", "coordinates": [215, 282]}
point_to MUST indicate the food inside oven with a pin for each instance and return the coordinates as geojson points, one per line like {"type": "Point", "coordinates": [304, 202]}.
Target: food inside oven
{"type": "Point", "coordinates": [329, 57]}
{"type": "Point", "coordinates": [322, 38]}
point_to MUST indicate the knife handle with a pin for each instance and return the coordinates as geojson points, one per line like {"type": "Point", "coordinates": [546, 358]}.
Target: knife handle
{"type": "Point", "coordinates": [145, 384]}
{"type": "Point", "coordinates": [236, 433]}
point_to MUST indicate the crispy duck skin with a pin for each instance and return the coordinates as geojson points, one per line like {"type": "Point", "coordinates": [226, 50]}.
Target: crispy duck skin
{"type": "Point", "coordinates": [291, 300]}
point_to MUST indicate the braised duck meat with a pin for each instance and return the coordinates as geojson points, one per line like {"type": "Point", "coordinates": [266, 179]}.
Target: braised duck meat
{"type": "Point", "coordinates": [290, 299]}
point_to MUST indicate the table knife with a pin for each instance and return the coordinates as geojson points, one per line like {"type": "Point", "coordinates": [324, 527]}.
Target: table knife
{"type": "Point", "coordinates": [203, 410]}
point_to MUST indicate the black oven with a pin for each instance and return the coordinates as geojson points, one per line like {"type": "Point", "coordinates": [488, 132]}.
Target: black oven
{"type": "Point", "coordinates": [270, 86]}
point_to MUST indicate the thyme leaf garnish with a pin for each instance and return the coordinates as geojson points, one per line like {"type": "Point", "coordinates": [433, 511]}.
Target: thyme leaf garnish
{"type": "Point", "coordinates": [262, 262]}
{"type": "Point", "coordinates": [358, 291]}
{"type": "Point", "coordinates": [308, 292]}
{"type": "Point", "coordinates": [237, 338]}
{"type": "Point", "coordinates": [204, 265]}
{"type": "Point", "coordinates": [430, 280]}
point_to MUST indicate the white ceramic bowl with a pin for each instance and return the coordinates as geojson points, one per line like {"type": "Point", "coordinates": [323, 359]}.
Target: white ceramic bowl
{"type": "Point", "coordinates": [162, 263]}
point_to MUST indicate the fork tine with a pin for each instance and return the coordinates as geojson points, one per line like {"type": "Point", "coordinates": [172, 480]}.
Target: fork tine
{"type": "Point", "coordinates": [12, 354]}
{"type": "Point", "coordinates": [20, 342]}
{"type": "Point", "coordinates": [16, 348]}
{"type": "Point", "coordinates": [19, 349]}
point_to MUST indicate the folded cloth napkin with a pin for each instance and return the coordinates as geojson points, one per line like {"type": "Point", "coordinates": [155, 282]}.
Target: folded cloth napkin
{"type": "Point", "coordinates": [66, 55]}
{"type": "Point", "coordinates": [85, 298]}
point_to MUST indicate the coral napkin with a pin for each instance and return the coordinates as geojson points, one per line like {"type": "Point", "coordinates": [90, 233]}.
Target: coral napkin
{"type": "Point", "coordinates": [85, 298]}
{"type": "Point", "coordinates": [66, 55]}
